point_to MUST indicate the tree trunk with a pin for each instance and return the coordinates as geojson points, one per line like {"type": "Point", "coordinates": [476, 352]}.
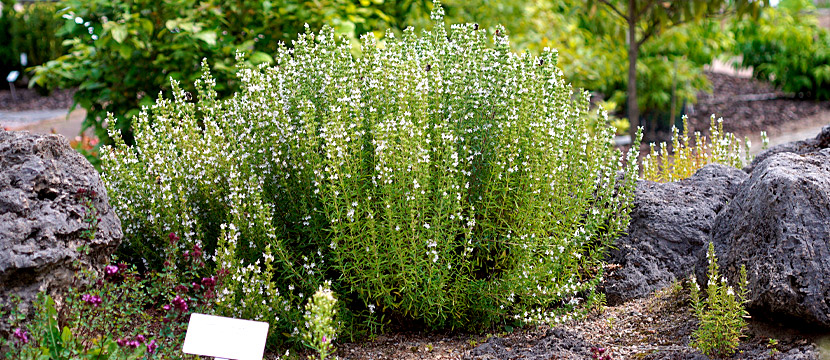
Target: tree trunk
{"type": "Point", "coordinates": [633, 49]}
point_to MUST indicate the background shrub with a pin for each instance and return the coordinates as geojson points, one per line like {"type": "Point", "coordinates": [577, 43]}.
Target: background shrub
{"type": "Point", "coordinates": [122, 53]}
{"type": "Point", "coordinates": [434, 178]}
{"type": "Point", "coordinates": [788, 48]}
{"type": "Point", "coordinates": [30, 29]}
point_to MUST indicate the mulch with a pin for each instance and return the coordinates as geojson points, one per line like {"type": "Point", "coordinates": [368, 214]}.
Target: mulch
{"type": "Point", "coordinates": [29, 99]}
{"type": "Point", "coordinates": [744, 117]}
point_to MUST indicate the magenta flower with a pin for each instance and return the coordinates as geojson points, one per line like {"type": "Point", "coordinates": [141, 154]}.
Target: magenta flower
{"type": "Point", "coordinates": [180, 303]}
{"type": "Point", "coordinates": [93, 300]}
{"type": "Point", "coordinates": [121, 342]}
{"type": "Point", "coordinates": [209, 282]}
{"type": "Point", "coordinates": [173, 238]}
{"type": "Point", "coordinates": [21, 336]}
{"type": "Point", "coordinates": [111, 270]}
{"type": "Point", "coordinates": [151, 347]}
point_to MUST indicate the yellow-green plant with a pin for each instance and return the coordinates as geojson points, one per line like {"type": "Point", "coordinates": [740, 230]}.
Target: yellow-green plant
{"type": "Point", "coordinates": [320, 322]}
{"type": "Point", "coordinates": [721, 315]}
{"type": "Point", "coordinates": [685, 158]}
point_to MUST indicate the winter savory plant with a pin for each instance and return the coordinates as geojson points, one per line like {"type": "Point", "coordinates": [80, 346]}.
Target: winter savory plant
{"type": "Point", "coordinates": [439, 178]}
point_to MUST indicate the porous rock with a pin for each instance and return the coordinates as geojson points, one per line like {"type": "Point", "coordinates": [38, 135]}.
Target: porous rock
{"type": "Point", "coordinates": [778, 226]}
{"type": "Point", "coordinates": [670, 222]}
{"type": "Point", "coordinates": [801, 147]}
{"type": "Point", "coordinates": [43, 217]}
{"type": "Point", "coordinates": [556, 344]}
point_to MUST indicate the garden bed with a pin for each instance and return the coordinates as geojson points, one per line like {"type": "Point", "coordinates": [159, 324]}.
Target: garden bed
{"type": "Point", "coordinates": [767, 110]}
{"type": "Point", "coordinates": [658, 327]}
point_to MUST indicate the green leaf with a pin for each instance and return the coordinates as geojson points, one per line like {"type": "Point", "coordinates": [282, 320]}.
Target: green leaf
{"type": "Point", "coordinates": [259, 57]}
{"type": "Point", "coordinates": [207, 36]}
{"type": "Point", "coordinates": [172, 24]}
{"type": "Point", "coordinates": [66, 335]}
{"type": "Point", "coordinates": [119, 33]}
{"type": "Point", "coordinates": [146, 26]}
{"type": "Point", "coordinates": [91, 85]}
{"type": "Point", "coordinates": [125, 51]}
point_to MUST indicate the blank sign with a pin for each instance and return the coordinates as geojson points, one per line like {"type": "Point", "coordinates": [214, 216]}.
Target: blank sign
{"type": "Point", "coordinates": [226, 338]}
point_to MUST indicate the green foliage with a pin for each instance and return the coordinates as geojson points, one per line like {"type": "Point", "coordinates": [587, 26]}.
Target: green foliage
{"type": "Point", "coordinates": [59, 342]}
{"type": "Point", "coordinates": [91, 218]}
{"type": "Point", "coordinates": [435, 178]}
{"type": "Point", "coordinates": [787, 48]}
{"type": "Point", "coordinates": [721, 314]}
{"type": "Point", "coordinates": [122, 53]}
{"type": "Point", "coordinates": [593, 52]}
{"type": "Point", "coordinates": [643, 20]}
{"type": "Point", "coordinates": [685, 158]}
{"type": "Point", "coordinates": [119, 314]}
{"type": "Point", "coordinates": [29, 29]}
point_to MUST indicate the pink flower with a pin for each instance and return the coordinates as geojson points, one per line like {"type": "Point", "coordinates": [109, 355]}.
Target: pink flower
{"type": "Point", "coordinates": [21, 336]}
{"type": "Point", "coordinates": [209, 282]}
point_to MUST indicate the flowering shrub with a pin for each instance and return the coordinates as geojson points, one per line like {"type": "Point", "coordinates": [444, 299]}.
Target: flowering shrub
{"type": "Point", "coordinates": [435, 178]}
{"type": "Point", "coordinates": [684, 159]}
{"type": "Point", "coordinates": [721, 314]}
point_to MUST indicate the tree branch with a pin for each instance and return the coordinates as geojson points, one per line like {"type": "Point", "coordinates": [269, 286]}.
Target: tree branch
{"type": "Point", "coordinates": [650, 31]}
{"type": "Point", "coordinates": [647, 6]}
{"type": "Point", "coordinates": [614, 9]}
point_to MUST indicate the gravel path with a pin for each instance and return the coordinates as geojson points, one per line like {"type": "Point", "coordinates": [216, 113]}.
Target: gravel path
{"type": "Point", "coordinates": [41, 114]}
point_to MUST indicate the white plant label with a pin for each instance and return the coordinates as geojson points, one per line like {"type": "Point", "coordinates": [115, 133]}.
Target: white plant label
{"type": "Point", "coordinates": [225, 338]}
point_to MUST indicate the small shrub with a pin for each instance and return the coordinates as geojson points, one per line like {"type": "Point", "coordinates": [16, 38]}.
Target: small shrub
{"type": "Point", "coordinates": [320, 327]}
{"type": "Point", "coordinates": [437, 178]}
{"type": "Point", "coordinates": [721, 314]}
{"type": "Point", "coordinates": [685, 158]}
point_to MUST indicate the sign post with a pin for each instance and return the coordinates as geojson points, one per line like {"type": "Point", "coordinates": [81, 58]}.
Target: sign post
{"type": "Point", "coordinates": [225, 338]}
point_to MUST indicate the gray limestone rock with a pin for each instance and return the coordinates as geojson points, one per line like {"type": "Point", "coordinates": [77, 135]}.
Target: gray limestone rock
{"type": "Point", "coordinates": [556, 344]}
{"type": "Point", "coordinates": [821, 141]}
{"type": "Point", "coordinates": [778, 226]}
{"type": "Point", "coordinates": [44, 220]}
{"type": "Point", "coordinates": [670, 222]}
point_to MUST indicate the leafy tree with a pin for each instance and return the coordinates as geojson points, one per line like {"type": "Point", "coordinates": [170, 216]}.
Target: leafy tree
{"type": "Point", "coordinates": [647, 19]}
